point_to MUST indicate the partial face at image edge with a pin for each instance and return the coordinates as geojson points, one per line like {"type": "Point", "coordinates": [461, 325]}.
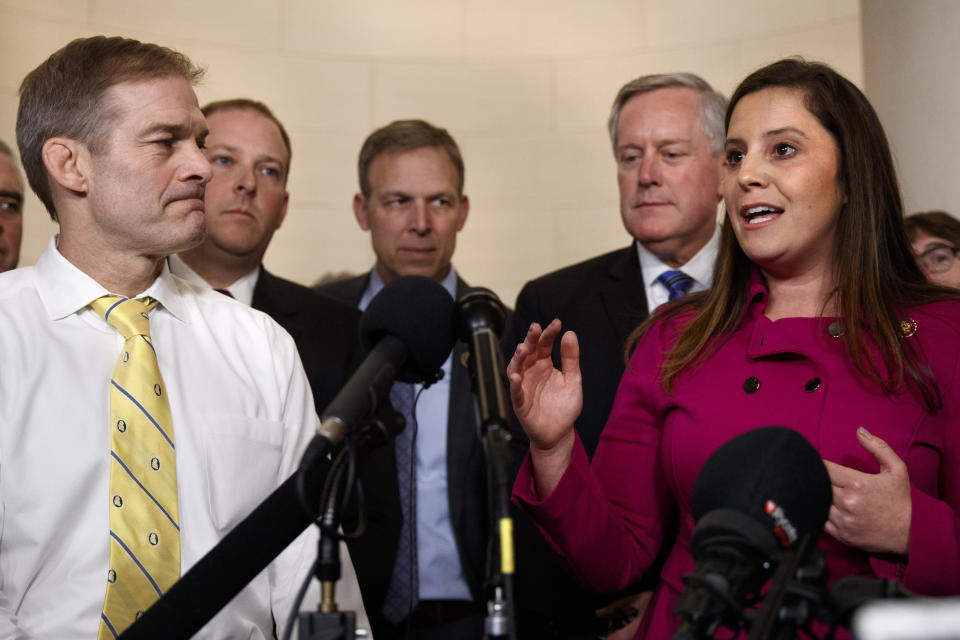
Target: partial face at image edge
{"type": "Point", "coordinates": [11, 213]}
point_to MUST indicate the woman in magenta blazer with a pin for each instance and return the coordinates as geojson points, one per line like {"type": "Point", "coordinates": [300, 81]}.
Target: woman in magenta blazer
{"type": "Point", "coordinates": [819, 319]}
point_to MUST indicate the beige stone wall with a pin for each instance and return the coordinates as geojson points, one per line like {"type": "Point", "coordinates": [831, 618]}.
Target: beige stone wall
{"type": "Point", "coordinates": [910, 59]}
{"type": "Point", "coordinates": [523, 85]}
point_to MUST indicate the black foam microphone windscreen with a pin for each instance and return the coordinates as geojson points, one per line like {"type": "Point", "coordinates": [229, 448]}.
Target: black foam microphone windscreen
{"type": "Point", "coordinates": [763, 491]}
{"type": "Point", "coordinates": [419, 312]}
{"type": "Point", "coordinates": [772, 474]}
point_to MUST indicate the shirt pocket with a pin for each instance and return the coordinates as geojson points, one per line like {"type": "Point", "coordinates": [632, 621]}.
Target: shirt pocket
{"type": "Point", "coordinates": [241, 461]}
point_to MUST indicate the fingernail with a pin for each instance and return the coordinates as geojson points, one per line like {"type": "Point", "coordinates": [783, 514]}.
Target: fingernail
{"type": "Point", "coordinates": [862, 431]}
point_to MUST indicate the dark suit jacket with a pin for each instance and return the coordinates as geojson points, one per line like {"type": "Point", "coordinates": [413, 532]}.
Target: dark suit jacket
{"type": "Point", "coordinates": [602, 299]}
{"type": "Point", "coordinates": [324, 330]}
{"type": "Point", "coordinates": [373, 553]}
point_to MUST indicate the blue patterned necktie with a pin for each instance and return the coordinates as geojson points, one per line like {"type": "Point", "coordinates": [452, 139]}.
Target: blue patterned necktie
{"type": "Point", "coordinates": [677, 283]}
{"type": "Point", "coordinates": [403, 593]}
{"type": "Point", "coordinates": [144, 523]}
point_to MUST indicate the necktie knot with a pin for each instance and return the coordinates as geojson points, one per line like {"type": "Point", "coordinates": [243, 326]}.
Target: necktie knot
{"type": "Point", "coordinates": [131, 317]}
{"type": "Point", "coordinates": [677, 283]}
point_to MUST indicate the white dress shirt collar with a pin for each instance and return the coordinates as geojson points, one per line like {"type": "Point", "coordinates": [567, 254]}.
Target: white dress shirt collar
{"type": "Point", "coordinates": [241, 290]}
{"type": "Point", "coordinates": [64, 289]}
{"type": "Point", "coordinates": [242, 413]}
{"type": "Point", "coordinates": [375, 283]}
{"type": "Point", "coordinates": [699, 267]}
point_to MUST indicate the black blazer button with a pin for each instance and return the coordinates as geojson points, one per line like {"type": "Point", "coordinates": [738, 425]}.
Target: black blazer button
{"type": "Point", "coordinates": [812, 385]}
{"type": "Point", "coordinates": [751, 384]}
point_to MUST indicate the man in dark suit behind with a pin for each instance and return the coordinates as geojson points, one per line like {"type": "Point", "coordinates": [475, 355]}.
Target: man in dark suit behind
{"type": "Point", "coordinates": [667, 134]}
{"type": "Point", "coordinates": [411, 201]}
{"type": "Point", "coordinates": [245, 203]}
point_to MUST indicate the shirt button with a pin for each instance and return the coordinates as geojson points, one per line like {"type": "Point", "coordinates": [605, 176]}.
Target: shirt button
{"type": "Point", "coordinates": [751, 384]}
{"type": "Point", "coordinates": [836, 329]}
{"type": "Point", "coordinates": [812, 385]}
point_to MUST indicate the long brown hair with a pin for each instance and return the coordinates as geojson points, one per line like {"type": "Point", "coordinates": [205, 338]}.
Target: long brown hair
{"type": "Point", "coordinates": [876, 270]}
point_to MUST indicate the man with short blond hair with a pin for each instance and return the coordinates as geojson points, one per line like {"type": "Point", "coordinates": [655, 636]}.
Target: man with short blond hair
{"type": "Point", "coordinates": [143, 417]}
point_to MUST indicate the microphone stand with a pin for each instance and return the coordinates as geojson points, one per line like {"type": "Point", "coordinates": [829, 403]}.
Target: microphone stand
{"type": "Point", "coordinates": [329, 623]}
{"type": "Point", "coordinates": [500, 621]}
{"type": "Point", "coordinates": [797, 593]}
{"type": "Point", "coordinates": [248, 548]}
{"type": "Point", "coordinates": [481, 316]}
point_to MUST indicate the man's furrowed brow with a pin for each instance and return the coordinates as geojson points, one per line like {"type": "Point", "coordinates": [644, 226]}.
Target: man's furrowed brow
{"type": "Point", "coordinates": [13, 195]}
{"type": "Point", "coordinates": [177, 130]}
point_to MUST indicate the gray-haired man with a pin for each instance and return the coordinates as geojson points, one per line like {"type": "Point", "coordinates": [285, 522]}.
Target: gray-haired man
{"type": "Point", "coordinates": [667, 133]}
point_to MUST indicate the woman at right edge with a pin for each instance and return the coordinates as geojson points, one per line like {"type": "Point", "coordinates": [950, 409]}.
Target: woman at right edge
{"type": "Point", "coordinates": [819, 319]}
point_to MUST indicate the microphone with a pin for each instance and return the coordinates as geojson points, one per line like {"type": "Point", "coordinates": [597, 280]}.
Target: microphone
{"type": "Point", "coordinates": [761, 493]}
{"type": "Point", "coordinates": [407, 333]}
{"type": "Point", "coordinates": [479, 319]}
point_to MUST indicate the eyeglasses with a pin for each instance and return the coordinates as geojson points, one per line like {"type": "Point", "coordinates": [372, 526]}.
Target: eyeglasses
{"type": "Point", "coordinates": [938, 258]}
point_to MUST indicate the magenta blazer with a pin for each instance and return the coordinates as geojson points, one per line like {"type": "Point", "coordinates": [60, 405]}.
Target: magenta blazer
{"type": "Point", "coordinates": [606, 520]}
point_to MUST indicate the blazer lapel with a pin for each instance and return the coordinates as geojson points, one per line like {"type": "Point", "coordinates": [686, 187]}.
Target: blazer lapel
{"type": "Point", "coordinates": [624, 294]}
{"type": "Point", "coordinates": [268, 298]}
{"type": "Point", "coordinates": [461, 421]}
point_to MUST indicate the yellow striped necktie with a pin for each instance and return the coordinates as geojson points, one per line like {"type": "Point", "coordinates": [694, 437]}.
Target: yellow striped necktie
{"type": "Point", "coordinates": [144, 520]}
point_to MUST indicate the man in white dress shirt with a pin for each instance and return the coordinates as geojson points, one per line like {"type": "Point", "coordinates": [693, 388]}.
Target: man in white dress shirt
{"type": "Point", "coordinates": [111, 137]}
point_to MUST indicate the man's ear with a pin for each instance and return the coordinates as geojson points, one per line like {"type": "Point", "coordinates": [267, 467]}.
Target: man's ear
{"type": "Point", "coordinates": [283, 211]}
{"type": "Point", "coordinates": [464, 210]}
{"type": "Point", "coordinates": [360, 211]}
{"type": "Point", "coordinates": [66, 161]}
{"type": "Point", "coordinates": [720, 177]}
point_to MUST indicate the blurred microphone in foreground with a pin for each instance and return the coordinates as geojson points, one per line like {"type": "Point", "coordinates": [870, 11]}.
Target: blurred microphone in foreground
{"type": "Point", "coordinates": [762, 492]}
{"type": "Point", "coordinates": [407, 333]}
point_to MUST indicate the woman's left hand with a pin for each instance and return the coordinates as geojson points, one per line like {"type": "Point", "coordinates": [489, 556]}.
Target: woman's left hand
{"type": "Point", "coordinates": [871, 511]}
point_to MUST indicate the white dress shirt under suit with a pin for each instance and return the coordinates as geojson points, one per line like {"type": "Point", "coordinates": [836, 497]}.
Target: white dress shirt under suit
{"type": "Point", "coordinates": [699, 267]}
{"type": "Point", "coordinates": [242, 414]}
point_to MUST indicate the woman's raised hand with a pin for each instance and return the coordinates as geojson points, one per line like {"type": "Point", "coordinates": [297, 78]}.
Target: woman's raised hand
{"type": "Point", "coordinates": [547, 401]}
